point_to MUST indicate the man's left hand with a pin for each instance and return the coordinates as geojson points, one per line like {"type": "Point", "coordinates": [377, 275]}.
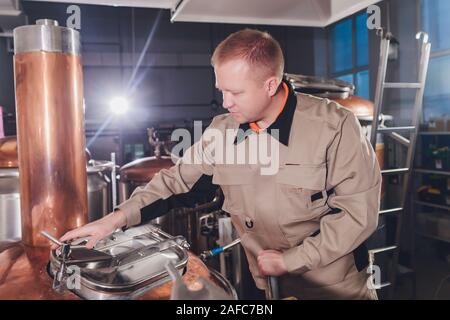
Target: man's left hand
{"type": "Point", "coordinates": [271, 263]}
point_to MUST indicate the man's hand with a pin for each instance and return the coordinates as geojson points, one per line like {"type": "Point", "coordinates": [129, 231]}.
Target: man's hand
{"type": "Point", "coordinates": [271, 263]}
{"type": "Point", "coordinates": [96, 230]}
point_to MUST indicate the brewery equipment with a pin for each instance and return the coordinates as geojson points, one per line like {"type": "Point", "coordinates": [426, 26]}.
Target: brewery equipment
{"type": "Point", "coordinates": [125, 265]}
{"type": "Point", "coordinates": [50, 130]}
{"type": "Point", "coordinates": [98, 189]}
{"type": "Point", "coordinates": [10, 228]}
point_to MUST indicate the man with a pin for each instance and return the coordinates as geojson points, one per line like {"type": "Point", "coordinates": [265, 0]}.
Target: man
{"type": "Point", "coordinates": [304, 222]}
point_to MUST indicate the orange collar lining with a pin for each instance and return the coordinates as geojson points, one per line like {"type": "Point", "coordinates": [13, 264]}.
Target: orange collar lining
{"type": "Point", "coordinates": [255, 127]}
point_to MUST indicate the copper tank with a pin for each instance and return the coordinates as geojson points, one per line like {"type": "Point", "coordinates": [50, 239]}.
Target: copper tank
{"type": "Point", "coordinates": [359, 106]}
{"type": "Point", "coordinates": [50, 129]}
{"type": "Point", "coordinates": [8, 152]}
{"type": "Point", "coordinates": [143, 170]}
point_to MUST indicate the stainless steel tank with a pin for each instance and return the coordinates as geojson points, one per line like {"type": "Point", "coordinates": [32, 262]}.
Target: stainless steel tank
{"type": "Point", "coordinates": [98, 188]}
{"type": "Point", "coordinates": [10, 227]}
{"type": "Point", "coordinates": [50, 129]}
{"type": "Point", "coordinates": [180, 221]}
{"type": "Point", "coordinates": [99, 199]}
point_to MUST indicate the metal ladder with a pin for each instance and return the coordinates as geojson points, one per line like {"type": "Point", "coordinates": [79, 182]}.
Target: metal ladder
{"type": "Point", "coordinates": [393, 132]}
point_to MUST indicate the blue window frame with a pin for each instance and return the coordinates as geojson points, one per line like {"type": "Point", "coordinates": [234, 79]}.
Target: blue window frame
{"type": "Point", "coordinates": [349, 53]}
{"type": "Point", "coordinates": [362, 41]}
{"type": "Point", "coordinates": [435, 21]}
{"type": "Point", "coordinates": [347, 78]}
{"type": "Point", "coordinates": [342, 42]}
{"type": "Point", "coordinates": [434, 18]}
{"type": "Point", "coordinates": [362, 84]}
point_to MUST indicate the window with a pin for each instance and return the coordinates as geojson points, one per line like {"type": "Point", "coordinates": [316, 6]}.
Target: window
{"type": "Point", "coordinates": [362, 41]}
{"type": "Point", "coordinates": [435, 21]}
{"type": "Point", "coordinates": [437, 91]}
{"type": "Point", "coordinates": [134, 151]}
{"type": "Point", "coordinates": [349, 53]}
{"type": "Point", "coordinates": [434, 16]}
{"type": "Point", "coordinates": [342, 46]}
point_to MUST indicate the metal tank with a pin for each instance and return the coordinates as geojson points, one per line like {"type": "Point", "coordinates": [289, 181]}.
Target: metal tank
{"type": "Point", "coordinates": [98, 189]}
{"type": "Point", "coordinates": [10, 228]}
{"type": "Point", "coordinates": [50, 128]}
{"type": "Point", "coordinates": [180, 221]}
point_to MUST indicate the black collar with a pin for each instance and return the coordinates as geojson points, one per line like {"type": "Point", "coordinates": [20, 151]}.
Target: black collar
{"type": "Point", "coordinates": [283, 122]}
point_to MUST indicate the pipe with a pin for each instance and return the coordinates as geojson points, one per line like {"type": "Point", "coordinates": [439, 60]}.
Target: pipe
{"type": "Point", "coordinates": [114, 180]}
{"type": "Point", "coordinates": [210, 253]}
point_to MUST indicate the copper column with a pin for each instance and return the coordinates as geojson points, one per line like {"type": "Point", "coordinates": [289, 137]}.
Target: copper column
{"type": "Point", "coordinates": [50, 129]}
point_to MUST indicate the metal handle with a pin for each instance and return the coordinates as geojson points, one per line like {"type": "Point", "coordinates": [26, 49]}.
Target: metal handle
{"type": "Point", "coordinates": [273, 292]}
{"type": "Point", "coordinates": [59, 243]}
{"type": "Point", "coordinates": [232, 244]}
{"type": "Point", "coordinates": [172, 271]}
{"type": "Point", "coordinates": [113, 180]}
{"type": "Point", "coordinates": [424, 35]}
{"type": "Point", "coordinates": [52, 238]}
{"type": "Point", "coordinates": [60, 276]}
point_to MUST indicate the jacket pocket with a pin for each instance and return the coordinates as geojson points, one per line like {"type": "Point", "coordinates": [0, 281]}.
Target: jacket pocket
{"type": "Point", "coordinates": [308, 176]}
{"type": "Point", "coordinates": [302, 191]}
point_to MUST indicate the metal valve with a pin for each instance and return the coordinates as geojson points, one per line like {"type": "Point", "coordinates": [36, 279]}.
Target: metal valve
{"type": "Point", "coordinates": [210, 253]}
{"type": "Point", "coordinates": [60, 278]}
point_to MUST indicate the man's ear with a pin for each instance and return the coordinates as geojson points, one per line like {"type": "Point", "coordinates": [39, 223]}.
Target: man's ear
{"type": "Point", "coordinates": [272, 85]}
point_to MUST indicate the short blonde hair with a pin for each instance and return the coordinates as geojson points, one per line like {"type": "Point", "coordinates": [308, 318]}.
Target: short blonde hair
{"type": "Point", "coordinates": [259, 49]}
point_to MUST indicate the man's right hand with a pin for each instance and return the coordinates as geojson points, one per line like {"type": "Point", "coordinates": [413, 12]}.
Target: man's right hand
{"type": "Point", "coordinates": [96, 230]}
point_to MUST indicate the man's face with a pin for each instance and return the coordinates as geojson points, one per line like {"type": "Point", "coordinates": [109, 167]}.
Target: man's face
{"type": "Point", "coordinates": [245, 95]}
